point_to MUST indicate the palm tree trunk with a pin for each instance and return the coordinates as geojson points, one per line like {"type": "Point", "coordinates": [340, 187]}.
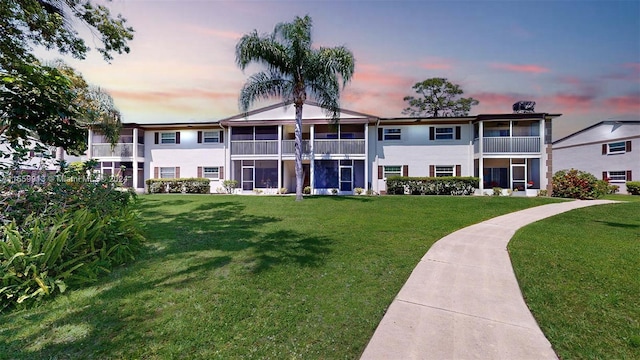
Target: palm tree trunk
{"type": "Point", "coordinates": [298, 144]}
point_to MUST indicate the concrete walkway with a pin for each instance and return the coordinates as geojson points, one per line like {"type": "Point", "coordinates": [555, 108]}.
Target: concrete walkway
{"type": "Point", "coordinates": [463, 301]}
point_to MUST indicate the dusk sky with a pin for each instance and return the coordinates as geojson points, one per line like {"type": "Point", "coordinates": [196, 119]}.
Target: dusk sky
{"type": "Point", "coordinates": [578, 58]}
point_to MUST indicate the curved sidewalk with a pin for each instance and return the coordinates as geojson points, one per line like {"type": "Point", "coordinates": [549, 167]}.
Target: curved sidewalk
{"type": "Point", "coordinates": [462, 300]}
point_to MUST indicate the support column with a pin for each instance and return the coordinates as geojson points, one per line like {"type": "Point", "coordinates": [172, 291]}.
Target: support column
{"type": "Point", "coordinates": [312, 136]}
{"type": "Point", "coordinates": [480, 156]}
{"type": "Point", "coordinates": [279, 157]}
{"type": "Point", "coordinates": [134, 179]}
{"type": "Point", "coordinates": [366, 156]}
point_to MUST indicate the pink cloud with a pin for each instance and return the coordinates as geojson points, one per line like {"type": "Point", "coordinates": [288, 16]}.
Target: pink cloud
{"type": "Point", "coordinates": [626, 104]}
{"type": "Point", "coordinates": [374, 75]}
{"type": "Point", "coordinates": [529, 68]}
{"type": "Point", "coordinates": [170, 95]}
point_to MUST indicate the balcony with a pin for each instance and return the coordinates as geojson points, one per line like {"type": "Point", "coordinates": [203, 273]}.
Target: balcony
{"type": "Point", "coordinates": [346, 147]}
{"type": "Point", "coordinates": [289, 147]}
{"type": "Point", "coordinates": [257, 147]}
{"type": "Point", "coordinates": [121, 150]}
{"type": "Point", "coordinates": [514, 144]}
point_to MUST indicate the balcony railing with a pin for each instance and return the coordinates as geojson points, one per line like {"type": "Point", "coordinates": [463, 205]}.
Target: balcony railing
{"type": "Point", "coordinates": [339, 147]}
{"type": "Point", "coordinates": [289, 147]}
{"type": "Point", "coordinates": [258, 147]}
{"type": "Point", "coordinates": [515, 144]}
{"type": "Point", "coordinates": [120, 150]}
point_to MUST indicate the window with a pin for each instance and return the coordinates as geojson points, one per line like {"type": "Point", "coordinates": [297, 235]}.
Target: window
{"type": "Point", "coordinates": [617, 176]}
{"type": "Point", "coordinates": [211, 136]}
{"type": "Point", "coordinates": [392, 171]}
{"type": "Point", "coordinates": [168, 138]}
{"type": "Point", "coordinates": [444, 133]}
{"type": "Point", "coordinates": [444, 170]}
{"type": "Point", "coordinates": [617, 147]}
{"type": "Point", "coordinates": [392, 134]}
{"type": "Point", "coordinates": [167, 173]}
{"type": "Point", "coordinates": [211, 172]}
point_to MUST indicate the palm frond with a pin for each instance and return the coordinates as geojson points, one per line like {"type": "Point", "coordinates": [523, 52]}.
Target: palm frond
{"type": "Point", "coordinates": [261, 49]}
{"type": "Point", "coordinates": [264, 85]}
{"type": "Point", "coordinates": [338, 60]}
{"type": "Point", "coordinates": [326, 91]}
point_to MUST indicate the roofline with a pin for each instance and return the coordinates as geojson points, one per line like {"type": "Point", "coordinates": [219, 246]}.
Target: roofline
{"type": "Point", "coordinates": [288, 103]}
{"type": "Point", "coordinates": [595, 125]}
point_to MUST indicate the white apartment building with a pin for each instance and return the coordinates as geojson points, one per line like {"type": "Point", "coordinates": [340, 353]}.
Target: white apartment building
{"type": "Point", "coordinates": [511, 151]}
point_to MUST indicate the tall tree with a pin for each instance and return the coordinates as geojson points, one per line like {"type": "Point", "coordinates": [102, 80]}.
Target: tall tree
{"type": "Point", "coordinates": [439, 97]}
{"type": "Point", "coordinates": [43, 99]}
{"type": "Point", "coordinates": [295, 71]}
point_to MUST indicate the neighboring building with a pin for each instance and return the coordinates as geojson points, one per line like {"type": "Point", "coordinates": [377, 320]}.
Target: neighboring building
{"type": "Point", "coordinates": [609, 150]}
{"type": "Point", "coordinates": [511, 151]}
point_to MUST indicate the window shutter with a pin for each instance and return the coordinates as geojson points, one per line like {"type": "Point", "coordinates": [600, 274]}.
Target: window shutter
{"type": "Point", "coordinates": [604, 175]}
{"type": "Point", "coordinates": [458, 131]}
{"type": "Point", "coordinates": [432, 170]}
{"type": "Point", "coordinates": [628, 146]}
{"type": "Point", "coordinates": [199, 137]}
{"type": "Point", "coordinates": [380, 134]}
{"type": "Point", "coordinates": [32, 153]}
{"type": "Point", "coordinates": [156, 172]}
{"type": "Point", "coordinates": [629, 175]}
{"type": "Point", "coordinates": [221, 136]}
{"type": "Point", "coordinates": [177, 172]}
{"type": "Point", "coordinates": [177, 137]}
{"type": "Point", "coordinates": [405, 170]}
{"type": "Point", "coordinates": [604, 149]}
{"type": "Point", "coordinates": [156, 137]}
{"type": "Point", "coordinates": [380, 172]}
{"type": "Point", "coordinates": [199, 170]}
{"type": "Point", "coordinates": [458, 170]}
{"type": "Point", "coordinates": [432, 133]}
{"type": "Point", "coordinates": [221, 172]}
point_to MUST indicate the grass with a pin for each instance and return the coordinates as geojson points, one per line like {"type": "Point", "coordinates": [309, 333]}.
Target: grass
{"type": "Point", "coordinates": [580, 275]}
{"type": "Point", "coordinates": [249, 277]}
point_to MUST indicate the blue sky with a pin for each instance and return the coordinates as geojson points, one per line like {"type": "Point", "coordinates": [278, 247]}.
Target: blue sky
{"type": "Point", "coordinates": [578, 58]}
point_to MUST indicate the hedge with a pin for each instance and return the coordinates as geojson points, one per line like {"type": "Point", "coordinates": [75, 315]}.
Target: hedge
{"type": "Point", "coordinates": [183, 186]}
{"type": "Point", "coordinates": [633, 187]}
{"type": "Point", "coordinates": [449, 185]}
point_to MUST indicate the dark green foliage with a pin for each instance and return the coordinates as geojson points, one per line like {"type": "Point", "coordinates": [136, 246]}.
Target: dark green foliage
{"type": "Point", "coordinates": [450, 185]}
{"type": "Point", "coordinates": [438, 98]}
{"type": "Point", "coordinates": [60, 230]}
{"type": "Point", "coordinates": [179, 186]}
{"type": "Point", "coordinates": [577, 184]}
{"type": "Point", "coordinates": [633, 187]}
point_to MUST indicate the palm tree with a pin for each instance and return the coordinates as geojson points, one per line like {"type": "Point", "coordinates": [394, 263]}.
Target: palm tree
{"type": "Point", "coordinates": [295, 70]}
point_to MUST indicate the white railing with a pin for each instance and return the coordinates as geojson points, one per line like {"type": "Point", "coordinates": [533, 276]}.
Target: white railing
{"type": "Point", "coordinates": [120, 150]}
{"type": "Point", "coordinates": [338, 147]}
{"type": "Point", "coordinates": [289, 147]}
{"type": "Point", "coordinates": [515, 144]}
{"type": "Point", "coordinates": [258, 147]}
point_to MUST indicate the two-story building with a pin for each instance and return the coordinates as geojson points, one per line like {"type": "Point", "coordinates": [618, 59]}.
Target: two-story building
{"type": "Point", "coordinates": [511, 151]}
{"type": "Point", "coordinates": [605, 149]}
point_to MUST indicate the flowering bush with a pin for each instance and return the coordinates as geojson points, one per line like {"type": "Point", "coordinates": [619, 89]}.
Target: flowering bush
{"type": "Point", "coordinates": [576, 184]}
{"type": "Point", "coordinates": [633, 187]}
{"type": "Point", "coordinates": [450, 185]}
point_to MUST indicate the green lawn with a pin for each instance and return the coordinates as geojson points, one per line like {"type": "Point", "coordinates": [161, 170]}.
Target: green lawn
{"type": "Point", "coordinates": [250, 277]}
{"type": "Point", "coordinates": [580, 275]}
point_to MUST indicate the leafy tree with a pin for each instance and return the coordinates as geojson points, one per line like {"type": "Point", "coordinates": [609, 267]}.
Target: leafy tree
{"type": "Point", "coordinates": [43, 99]}
{"type": "Point", "coordinates": [439, 97]}
{"type": "Point", "coordinates": [295, 70]}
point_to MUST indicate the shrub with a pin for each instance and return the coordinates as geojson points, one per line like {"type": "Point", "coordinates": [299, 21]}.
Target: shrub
{"type": "Point", "coordinates": [497, 191]}
{"type": "Point", "coordinates": [633, 187]}
{"type": "Point", "coordinates": [432, 185]}
{"type": "Point", "coordinates": [576, 184]}
{"type": "Point", "coordinates": [358, 190]}
{"type": "Point", "coordinates": [543, 192]}
{"type": "Point", "coordinates": [306, 190]}
{"type": "Point", "coordinates": [60, 230]}
{"type": "Point", "coordinates": [229, 185]}
{"type": "Point", "coordinates": [176, 186]}
{"type": "Point", "coordinates": [283, 191]}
